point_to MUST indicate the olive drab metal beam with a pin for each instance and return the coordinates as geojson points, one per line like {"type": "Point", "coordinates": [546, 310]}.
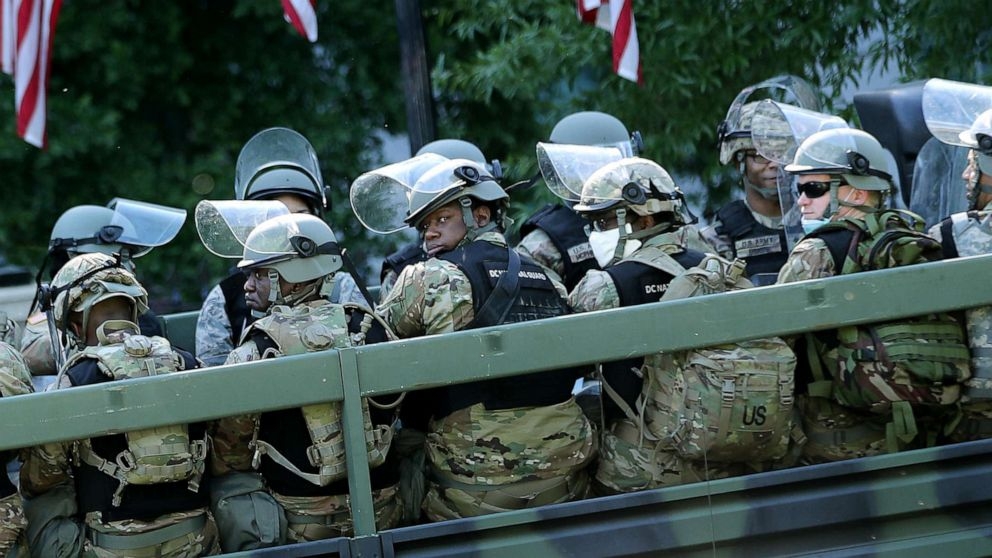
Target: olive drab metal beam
{"type": "Point", "coordinates": [486, 353]}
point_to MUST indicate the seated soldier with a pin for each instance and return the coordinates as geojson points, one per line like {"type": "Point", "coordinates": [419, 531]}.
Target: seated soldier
{"type": "Point", "coordinates": [290, 263]}
{"type": "Point", "coordinates": [14, 380]}
{"type": "Point", "coordinates": [853, 397]}
{"type": "Point", "coordinates": [132, 494]}
{"type": "Point", "coordinates": [478, 432]}
{"type": "Point", "coordinates": [275, 164]}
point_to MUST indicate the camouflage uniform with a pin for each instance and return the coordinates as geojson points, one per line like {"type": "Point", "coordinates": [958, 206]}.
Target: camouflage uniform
{"type": "Point", "coordinates": [972, 236]}
{"type": "Point", "coordinates": [470, 472]}
{"type": "Point", "coordinates": [14, 380]}
{"type": "Point", "coordinates": [36, 346]}
{"type": "Point", "coordinates": [214, 337]}
{"type": "Point", "coordinates": [67, 486]}
{"type": "Point", "coordinates": [321, 511]}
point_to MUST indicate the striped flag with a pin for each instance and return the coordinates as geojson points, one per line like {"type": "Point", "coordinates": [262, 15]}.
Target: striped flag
{"type": "Point", "coordinates": [27, 28]}
{"type": "Point", "coordinates": [617, 17]}
{"type": "Point", "coordinates": [303, 15]}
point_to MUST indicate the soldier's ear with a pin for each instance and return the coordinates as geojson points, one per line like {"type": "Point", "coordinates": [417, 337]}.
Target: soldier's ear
{"type": "Point", "coordinates": [482, 215]}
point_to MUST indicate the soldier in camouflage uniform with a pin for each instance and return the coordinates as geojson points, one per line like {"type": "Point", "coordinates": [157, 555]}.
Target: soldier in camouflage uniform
{"type": "Point", "coordinates": [135, 494]}
{"type": "Point", "coordinates": [969, 233]}
{"type": "Point", "coordinates": [501, 444]}
{"type": "Point", "coordinates": [838, 178]}
{"type": "Point", "coordinates": [634, 212]}
{"type": "Point", "coordinates": [412, 253]}
{"type": "Point", "coordinates": [751, 228]}
{"type": "Point", "coordinates": [14, 380]}
{"type": "Point", "coordinates": [80, 230]}
{"type": "Point", "coordinates": [554, 237]}
{"type": "Point", "coordinates": [275, 164]}
{"type": "Point", "coordinates": [299, 454]}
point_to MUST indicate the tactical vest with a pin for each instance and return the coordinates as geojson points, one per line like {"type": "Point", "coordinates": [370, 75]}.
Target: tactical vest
{"type": "Point", "coordinates": [567, 232]}
{"type": "Point", "coordinates": [483, 263]}
{"type": "Point", "coordinates": [400, 259]}
{"type": "Point", "coordinates": [235, 306]}
{"type": "Point", "coordinates": [146, 460]}
{"type": "Point", "coordinates": [970, 234]}
{"type": "Point", "coordinates": [763, 248]}
{"type": "Point", "coordinates": [302, 329]}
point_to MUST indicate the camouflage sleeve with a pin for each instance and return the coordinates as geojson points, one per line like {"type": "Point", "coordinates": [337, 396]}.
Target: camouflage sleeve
{"type": "Point", "coordinates": [810, 259]}
{"type": "Point", "coordinates": [231, 436]}
{"type": "Point", "coordinates": [428, 298]}
{"type": "Point", "coordinates": [596, 291]}
{"type": "Point", "coordinates": [539, 247]}
{"type": "Point", "coordinates": [213, 330]}
{"type": "Point", "coordinates": [15, 379]}
{"type": "Point", "coordinates": [386, 285]}
{"type": "Point", "coordinates": [36, 346]}
{"type": "Point", "coordinates": [716, 243]}
{"type": "Point", "coordinates": [348, 290]}
{"type": "Point", "coordinates": [692, 237]}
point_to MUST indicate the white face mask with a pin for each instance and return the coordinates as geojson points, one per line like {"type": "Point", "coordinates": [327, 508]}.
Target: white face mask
{"type": "Point", "coordinates": [604, 245]}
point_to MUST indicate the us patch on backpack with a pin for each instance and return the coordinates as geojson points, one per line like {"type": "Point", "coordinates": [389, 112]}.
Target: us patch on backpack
{"type": "Point", "coordinates": [921, 360]}
{"type": "Point", "coordinates": [731, 402]}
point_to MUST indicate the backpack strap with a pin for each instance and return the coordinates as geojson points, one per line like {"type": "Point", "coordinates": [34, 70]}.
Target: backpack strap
{"type": "Point", "coordinates": [505, 293]}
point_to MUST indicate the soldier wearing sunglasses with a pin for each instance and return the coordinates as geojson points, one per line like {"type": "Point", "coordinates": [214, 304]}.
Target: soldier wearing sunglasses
{"type": "Point", "coordinates": [838, 174]}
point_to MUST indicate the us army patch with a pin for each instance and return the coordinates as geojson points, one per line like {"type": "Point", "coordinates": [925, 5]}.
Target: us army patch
{"type": "Point", "coordinates": [749, 247]}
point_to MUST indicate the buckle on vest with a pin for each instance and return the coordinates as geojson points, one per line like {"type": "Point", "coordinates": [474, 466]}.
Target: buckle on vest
{"type": "Point", "coordinates": [727, 392]}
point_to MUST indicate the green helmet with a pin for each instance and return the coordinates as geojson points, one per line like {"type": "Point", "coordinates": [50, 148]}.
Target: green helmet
{"type": "Point", "coordinates": [853, 154]}
{"type": "Point", "coordinates": [641, 185]}
{"type": "Point", "coordinates": [457, 179]}
{"type": "Point", "coordinates": [87, 228]}
{"type": "Point", "coordinates": [454, 149]}
{"type": "Point", "coordinates": [279, 161]}
{"type": "Point", "coordinates": [596, 128]}
{"type": "Point", "coordinates": [89, 279]}
{"type": "Point", "coordinates": [299, 247]}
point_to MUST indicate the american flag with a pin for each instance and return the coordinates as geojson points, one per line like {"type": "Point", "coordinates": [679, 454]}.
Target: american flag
{"type": "Point", "coordinates": [303, 15]}
{"type": "Point", "coordinates": [617, 17]}
{"type": "Point", "coordinates": [27, 28]}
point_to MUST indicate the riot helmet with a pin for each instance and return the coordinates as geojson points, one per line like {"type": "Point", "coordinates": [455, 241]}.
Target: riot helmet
{"type": "Point", "coordinates": [87, 280]}
{"type": "Point", "coordinates": [461, 149]}
{"type": "Point", "coordinates": [126, 227]}
{"type": "Point", "coordinates": [855, 157]}
{"type": "Point", "coordinates": [279, 161]}
{"type": "Point", "coordinates": [462, 180]}
{"type": "Point", "coordinates": [633, 185]}
{"type": "Point", "coordinates": [979, 138]}
{"type": "Point", "coordinates": [734, 134]}
{"type": "Point", "coordinates": [597, 128]}
{"type": "Point", "coordinates": [298, 248]}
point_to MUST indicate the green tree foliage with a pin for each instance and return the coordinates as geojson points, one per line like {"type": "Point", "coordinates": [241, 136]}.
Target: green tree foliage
{"type": "Point", "coordinates": [152, 101]}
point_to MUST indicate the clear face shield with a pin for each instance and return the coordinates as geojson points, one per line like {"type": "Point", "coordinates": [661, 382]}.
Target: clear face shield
{"type": "Point", "coordinates": [566, 168]}
{"type": "Point", "coordinates": [785, 89]}
{"type": "Point", "coordinates": [145, 224]}
{"type": "Point", "coordinates": [224, 226]}
{"type": "Point", "coordinates": [960, 114]}
{"type": "Point", "coordinates": [777, 131]}
{"type": "Point", "coordinates": [276, 148]}
{"type": "Point", "coordinates": [380, 198]}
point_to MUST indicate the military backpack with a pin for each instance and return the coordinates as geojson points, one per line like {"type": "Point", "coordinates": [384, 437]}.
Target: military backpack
{"type": "Point", "coordinates": [726, 403]}
{"type": "Point", "coordinates": [898, 364]}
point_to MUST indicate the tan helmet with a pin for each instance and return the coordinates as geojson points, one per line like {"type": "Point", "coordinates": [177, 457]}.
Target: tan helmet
{"type": "Point", "coordinates": [639, 184]}
{"type": "Point", "coordinates": [89, 279]}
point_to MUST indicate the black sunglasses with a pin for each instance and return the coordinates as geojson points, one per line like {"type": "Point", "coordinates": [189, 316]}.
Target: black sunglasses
{"type": "Point", "coordinates": [814, 190]}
